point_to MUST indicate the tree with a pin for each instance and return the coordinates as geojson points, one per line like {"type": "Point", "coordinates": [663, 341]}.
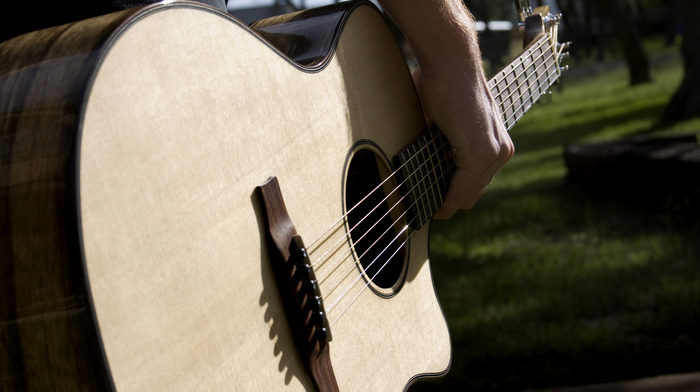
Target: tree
{"type": "Point", "coordinates": [685, 103]}
{"type": "Point", "coordinates": [630, 39]}
{"type": "Point", "coordinates": [584, 26]}
{"type": "Point", "coordinates": [494, 45]}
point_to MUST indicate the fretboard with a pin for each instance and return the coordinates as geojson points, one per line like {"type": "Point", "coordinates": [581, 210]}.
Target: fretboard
{"type": "Point", "coordinates": [426, 166]}
{"type": "Point", "coordinates": [521, 83]}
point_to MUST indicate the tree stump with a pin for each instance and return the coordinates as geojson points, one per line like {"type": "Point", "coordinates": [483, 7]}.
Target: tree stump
{"type": "Point", "coordinates": [662, 171]}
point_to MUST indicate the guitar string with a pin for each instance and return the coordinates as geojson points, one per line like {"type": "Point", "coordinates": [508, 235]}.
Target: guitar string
{"type": "Point", "coordinates": [523, 104]}
{"type": "Point", "coordinates": [359, 276]}
{"type": "Point", "coordinates": [380, 186]}
{"type": "Point", "coordinates": [340, 220]}
{"type": "Point", "coordinates": [333, 269]}
{"type": "Point", "coordinates": [514, 103]}
{"type": "Point", "coordinates": [343, 238]}
{"type": "Point", "coordinates": [343, 256]}
{"type": "Point", "coordinates": [333, 288]}
{"type": "Point", "coordinates": [321, 259]}
{"type": "Point", "coordinates": [542, 41]}
{"type": "Point", "coordinates": [526, 104]}
{"type": "Point", "coordinates": [536, 48]}
{"type": "Point", "coordinates": [354, 282]}
{"type": "Point", "coordinates": [354, 299]}
{"type": "Point", "coordinates": [350, 249]}
{"type": "Point", "coordinates": [406, 227]}
{"type": "Point", "coordinates": [515, 80]}
{"type": "Point", "coordinates": [546, 62]}
{"type": "Point", "coordinates": [403, 244]}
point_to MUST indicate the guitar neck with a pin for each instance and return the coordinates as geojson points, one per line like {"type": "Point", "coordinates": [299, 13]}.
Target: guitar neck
{"type": "Point", "coordinates": [522, 82]}
{"type": "Point", "coordinates": [426, 166]}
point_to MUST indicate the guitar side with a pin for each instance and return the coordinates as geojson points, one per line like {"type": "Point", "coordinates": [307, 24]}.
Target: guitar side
{"type": "Point", "coordinates": [186, 113]}
{"type": "Point", "coordinates": [48, 339]}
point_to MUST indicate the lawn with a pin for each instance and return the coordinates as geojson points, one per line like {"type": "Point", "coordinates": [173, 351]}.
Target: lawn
{"type": "Point", "coordinates": [545, 285]}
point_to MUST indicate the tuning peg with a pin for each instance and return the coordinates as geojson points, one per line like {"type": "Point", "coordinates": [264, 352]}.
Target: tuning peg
{"type": "Point", "coordinates": [563, 56]}
{"type": "Point", "coordinates": [524, 10]}
{"type": "Point", "coordinates": [564, 68]}
{"type": "Point", "coordinates": [551, 19]}
{"type": "Point", "coordinates": [563, 46]}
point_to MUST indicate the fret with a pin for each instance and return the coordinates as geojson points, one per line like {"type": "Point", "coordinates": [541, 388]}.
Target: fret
{"type": "Point", "coordinates": [445, 160]}
{"type": "Point", "coordinates": [413, 184]}
{"type": "Point", "coordinates": [425, 189]}
{"type": "Point", "coordinates": [537, 71]}
{"type": "Point", "coordinates": [434, 194]}
{"type": "Point", "coordinates": [425, 177]}
{"type": "Point", "coordinates": [520, 81]}
{"type": "Point", "coordinates": [436, 173]}
{"type": "Point", "coordinates": [536, 75]}
{"type": "Point", "coordinates": [417, 181]}
{"type": "Point", "coordinates": [525, 91]}
{"type": "Point", "coordinates": [408, 178]}
{"type": "Point", "coordinates": [420, 189]}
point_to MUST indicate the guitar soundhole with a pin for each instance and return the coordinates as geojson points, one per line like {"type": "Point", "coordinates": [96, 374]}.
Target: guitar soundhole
{"type": "Point", "coordinates": [375, 220]}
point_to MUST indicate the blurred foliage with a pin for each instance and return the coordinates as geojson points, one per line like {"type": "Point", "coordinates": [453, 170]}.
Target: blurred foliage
{"type": "Point", "coordinates": [492, 9]}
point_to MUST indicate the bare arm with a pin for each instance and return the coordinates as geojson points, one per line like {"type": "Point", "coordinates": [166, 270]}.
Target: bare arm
{"type": "Point", "coordinates": [454, 93]}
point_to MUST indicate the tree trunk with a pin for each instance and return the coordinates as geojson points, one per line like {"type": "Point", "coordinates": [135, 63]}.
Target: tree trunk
{"type": "Point", "coordinates": [685, 104]}
{"type": "Point", "coordinates": [630, 38]}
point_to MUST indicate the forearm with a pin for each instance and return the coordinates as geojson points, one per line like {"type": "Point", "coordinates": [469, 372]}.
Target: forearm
{"type": "Point", "coordinates": [451, 77]}
{"type": "Point", "coordinates": [441, 32]}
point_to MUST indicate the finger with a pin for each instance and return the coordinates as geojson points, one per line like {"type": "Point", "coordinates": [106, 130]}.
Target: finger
{"type": "Point", "coordinates": [463, 194]}
{"type": "Point", "coordinates": [468, 186]}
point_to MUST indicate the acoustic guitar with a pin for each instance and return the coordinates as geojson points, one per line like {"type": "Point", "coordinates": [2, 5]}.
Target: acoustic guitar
{"type": "Point", "coordinates": [190, 203]}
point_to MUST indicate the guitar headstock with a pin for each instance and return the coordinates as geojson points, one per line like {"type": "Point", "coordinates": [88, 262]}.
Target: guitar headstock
{"type": "Point", "coordinates": [543, 21]}
{"type": "Point", "coordinates": [527, 79]}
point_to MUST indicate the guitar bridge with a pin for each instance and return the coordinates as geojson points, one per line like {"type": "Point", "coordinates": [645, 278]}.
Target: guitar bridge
{"type": "Point", "coordinates": [298, 287]}
{"type": "Point", "coordinates": [307, 290]}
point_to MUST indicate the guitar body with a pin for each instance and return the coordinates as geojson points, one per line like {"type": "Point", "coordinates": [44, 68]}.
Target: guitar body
{"type": "Point", "coordinates": [135, 244]}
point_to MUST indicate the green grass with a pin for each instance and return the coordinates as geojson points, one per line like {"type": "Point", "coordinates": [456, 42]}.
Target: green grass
{"type": "Point", "coordinates": [544, 285]}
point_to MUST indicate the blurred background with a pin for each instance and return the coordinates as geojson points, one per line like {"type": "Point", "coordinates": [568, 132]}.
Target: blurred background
{"type": "Point", "coordinates": [581, 264]}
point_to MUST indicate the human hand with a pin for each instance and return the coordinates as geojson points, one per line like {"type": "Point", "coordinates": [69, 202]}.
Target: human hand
{"type": "Point", "coordinates": [454, 93]}
{"type": "Point", "coordinates": [463, 109]}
